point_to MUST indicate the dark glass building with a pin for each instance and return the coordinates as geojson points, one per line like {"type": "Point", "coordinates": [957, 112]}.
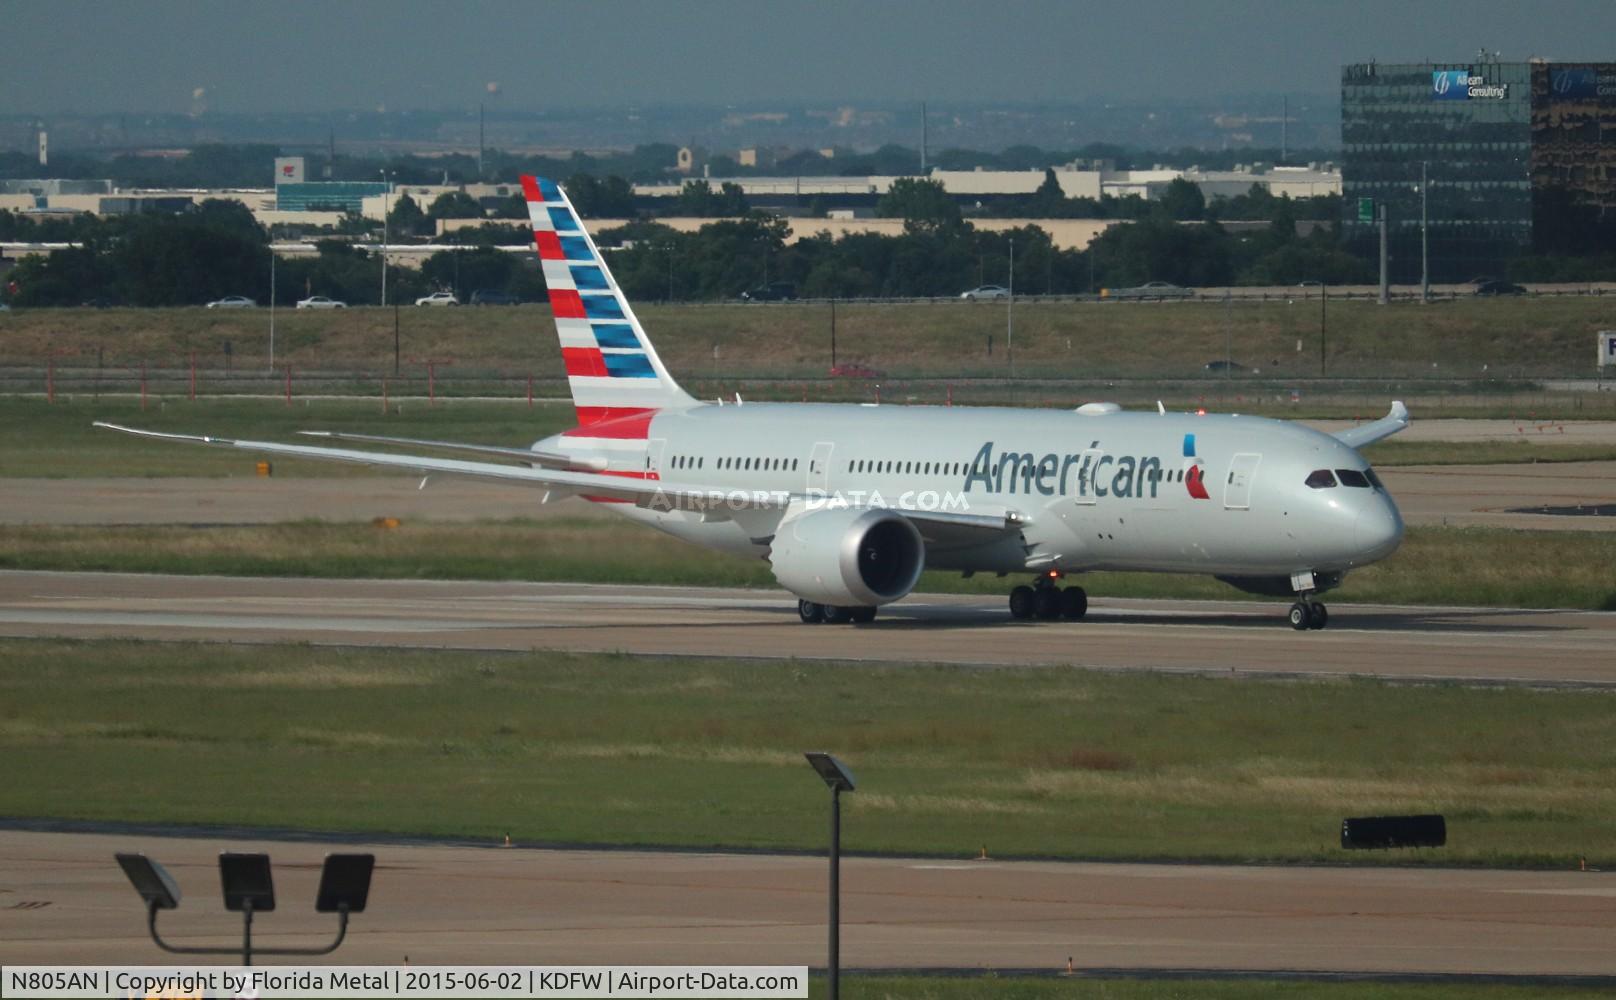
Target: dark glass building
{"type": "Point", "coordinates": [1517, 158]}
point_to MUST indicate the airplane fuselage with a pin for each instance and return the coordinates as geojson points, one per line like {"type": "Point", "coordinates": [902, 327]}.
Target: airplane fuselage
{"type": "Point", "coordinates": [1215, 494]}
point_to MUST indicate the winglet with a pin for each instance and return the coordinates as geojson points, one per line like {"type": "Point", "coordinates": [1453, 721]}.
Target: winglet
{"type": "Point", "coordinates": [1395, 420]}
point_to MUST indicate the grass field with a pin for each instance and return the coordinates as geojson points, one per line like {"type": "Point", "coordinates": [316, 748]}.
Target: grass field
{"type": "Point", "coordinates": [1441, 566]}
{"type": "Point", "coordinates": [1466, 339]}
{"type": "Point", "coordinates": [610, 749]}
{"type": "Point", "coordinates": [58, 441]}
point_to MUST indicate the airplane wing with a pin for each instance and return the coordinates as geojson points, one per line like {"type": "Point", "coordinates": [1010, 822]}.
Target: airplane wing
{"type": "Point", "coordinates": [1385, 427]}
{"type": "Point", "coordinates": [547, 459]}
{"type": "Point", "coordinates": [654, 494]}
{"type": "Point", "coordinates": [650, 493]}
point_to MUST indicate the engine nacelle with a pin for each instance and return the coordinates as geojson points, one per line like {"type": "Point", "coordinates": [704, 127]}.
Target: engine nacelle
{"type": "Point", "coordinates": [847, 556]}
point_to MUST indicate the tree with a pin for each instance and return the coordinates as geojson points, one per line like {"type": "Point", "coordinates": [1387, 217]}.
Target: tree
{"type": "Point", "coordinates": [1183, 200]}
{"type": "Point", "coordinates": [608, 198]}
{"type": "Point", "coordinates": [921, 204]}
{"type": "Point", "coordinates": [698, 198]}
{"type": "Point", "coordinates": [406, 218]}
{"type": "Point", "coordinates": [455, 205]}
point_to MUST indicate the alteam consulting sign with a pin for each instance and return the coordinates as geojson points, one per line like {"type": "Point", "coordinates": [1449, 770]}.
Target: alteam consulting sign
{"type": "Point", "coordinates": [1462, 85]}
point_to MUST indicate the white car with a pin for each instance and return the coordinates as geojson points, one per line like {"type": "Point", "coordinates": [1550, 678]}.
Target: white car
{"type": "Point", "coordinates": [986, 292]}
{"type": "Point", "coordinates": [438, 299]}
{"type": "Point", "coordinates": [320, 302]}
{"type": "Point", "coordinates": [232, 302]}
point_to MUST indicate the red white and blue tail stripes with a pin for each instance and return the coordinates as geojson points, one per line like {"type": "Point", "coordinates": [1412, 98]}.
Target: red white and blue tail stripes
{"type": "Point", "coordinates": [616, 378]}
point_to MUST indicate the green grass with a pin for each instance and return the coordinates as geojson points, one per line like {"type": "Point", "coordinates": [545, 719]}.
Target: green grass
{"type": "Point", "coordinates": [57, 441]}
{"type": "Point", "coordinates": [1436, 565]}
{"type": "Point", "coordinates": [637, 751]}
{"type": "Point", "coordinates": [1460, 339]}
{"type": "Point", "coordinates": [1394, 452]}
{"type": "Point", "coordinates": [856, 987]}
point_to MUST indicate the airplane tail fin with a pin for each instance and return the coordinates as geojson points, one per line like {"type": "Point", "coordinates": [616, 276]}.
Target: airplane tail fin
{"type": "Point", "coordinates": [612, 369]}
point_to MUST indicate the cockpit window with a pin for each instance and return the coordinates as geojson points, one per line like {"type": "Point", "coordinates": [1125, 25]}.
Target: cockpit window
{"type": "Point", "coordinates": [1352, 477]}
{"type": "Point", "coordinates": [1374, 480]}
{"type": "Point", "coordinates": [1321, 479]}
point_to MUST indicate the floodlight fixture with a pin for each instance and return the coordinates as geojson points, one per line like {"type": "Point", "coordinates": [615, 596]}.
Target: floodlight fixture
{"type": "Point", "coordinates": [248, 889]}
{"type": "Point", "coordinates": [836, 775]}
{"type": "Point", "coordinates": [155, 885]}
{"type": "Point", "coordinates": [345, 883]}
{"type": "Point", "coordinates": [246, 882]}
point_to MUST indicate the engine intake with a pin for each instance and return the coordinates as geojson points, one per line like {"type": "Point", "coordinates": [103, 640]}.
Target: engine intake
{"type": "Point", "coordinates": [848, 556]}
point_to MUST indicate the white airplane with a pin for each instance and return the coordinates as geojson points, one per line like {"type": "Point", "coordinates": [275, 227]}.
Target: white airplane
{"type": "Point", "coordinates": [849, 503]}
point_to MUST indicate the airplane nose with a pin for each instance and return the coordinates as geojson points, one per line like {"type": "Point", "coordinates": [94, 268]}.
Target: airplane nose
{"type": "Point", "coordinates": [1378, 530]}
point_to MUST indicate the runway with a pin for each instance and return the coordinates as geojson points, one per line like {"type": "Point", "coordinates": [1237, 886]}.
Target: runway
{"type": "Point", "coordinates": [1478, 644]}
{"type": "Point", "coordinates": [451, 905]}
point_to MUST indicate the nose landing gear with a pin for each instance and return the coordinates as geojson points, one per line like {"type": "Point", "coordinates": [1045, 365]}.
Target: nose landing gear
{"type": "Point", "coordinates": [1047, 600]}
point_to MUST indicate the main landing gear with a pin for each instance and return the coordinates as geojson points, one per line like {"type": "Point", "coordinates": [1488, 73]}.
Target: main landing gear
{"type": "Point", "coordinates": [1048, 601]}
{"type": "Point", "coordinates": [1307, 613]}
{"type": "Point", "coordinates": [830, 614]}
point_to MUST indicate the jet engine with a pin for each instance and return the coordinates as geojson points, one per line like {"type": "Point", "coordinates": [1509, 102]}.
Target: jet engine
{"type": "Point", "coordinates": [846, 556]}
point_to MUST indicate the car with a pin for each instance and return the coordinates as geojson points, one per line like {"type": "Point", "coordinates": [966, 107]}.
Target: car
{"type": "Point", "coordinates": [1222, 365]}
{"type": "Point", "coordinates": [1309, 283]}
{"type": "Point", "coordinates": [233, 302]}
{"type": "Point", "coordinates": [1499, 287]}
{"type": "Point", "coordinates": [774, 291]}
{"type": "Point", "coordinates": [4, 308]}
{"type": "Point", "coordinates": [438, 299]}
{"type": "Point", "coordinates": [986, 292]}
{"type": "Point", "coordinates": [493, 297]}
{"type": "Point", "coordinates": [320, 302]}
{"type": "Point", "coordinates": [1157, 290]}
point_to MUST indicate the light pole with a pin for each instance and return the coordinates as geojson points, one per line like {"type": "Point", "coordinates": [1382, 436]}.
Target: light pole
{"type": "Point", "coordinates": [386, 206]}
{"type": "Point", "coordinates": [1425, 259]}
{"type": "Point", "coordinates": [838, 779]}
{"type": "Point", "coordinates": [245, 878]}
{"type": "Point", "coordinates": [272, 299]}
{"type": "Point", "coordinates": [1010, 311]}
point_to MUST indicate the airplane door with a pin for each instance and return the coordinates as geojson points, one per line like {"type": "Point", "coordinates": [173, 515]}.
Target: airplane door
{"type": "Point", "coordinates": [1085, 476]}
{"type": "Point", "coordinates": [819, 466]}
{"type": "Point", "coordinates": [653, 457]}
{"type": "Point", "coordinates": [1237, 488]}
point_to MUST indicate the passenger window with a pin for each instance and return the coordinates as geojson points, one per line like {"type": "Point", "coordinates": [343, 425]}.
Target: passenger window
{"type": "Point", "coordinates": [1320, 479]}
{"type": "Point", "coordinates": [1352, 477]}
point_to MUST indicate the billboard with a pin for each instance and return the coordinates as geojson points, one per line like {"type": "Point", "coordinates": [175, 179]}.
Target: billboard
{"type": "Point", "coordinates": [289, 170]}
{"type": "Point", "coordinates": [1462, 85]}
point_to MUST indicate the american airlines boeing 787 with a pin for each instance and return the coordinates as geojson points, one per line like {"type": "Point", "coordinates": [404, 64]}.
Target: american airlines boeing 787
{"type": "Point", "coordinates": [849, 503]}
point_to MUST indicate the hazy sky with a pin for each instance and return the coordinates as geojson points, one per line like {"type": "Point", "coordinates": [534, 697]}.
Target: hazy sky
{"type": "Point", "coordinates": [297, 55]}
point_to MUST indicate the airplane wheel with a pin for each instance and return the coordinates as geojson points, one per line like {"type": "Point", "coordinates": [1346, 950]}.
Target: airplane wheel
{"type": "Point", "coordinates": [1301, 617]}
{"type": "Point", "coordinates": [863, 616]}
{"type": "Point", "coordinates": [1022, 601]}
{"type": "Point", "coordinates": [1074, 603]}
{"type": "Point", "coordinates": [811, 613]}
{"type": "Point", "coordinates": [1048, 603]}
{"type": "Point", "coordinates": [1318, 614]}
{"type": "Point", "coordinates": [835, 615]}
